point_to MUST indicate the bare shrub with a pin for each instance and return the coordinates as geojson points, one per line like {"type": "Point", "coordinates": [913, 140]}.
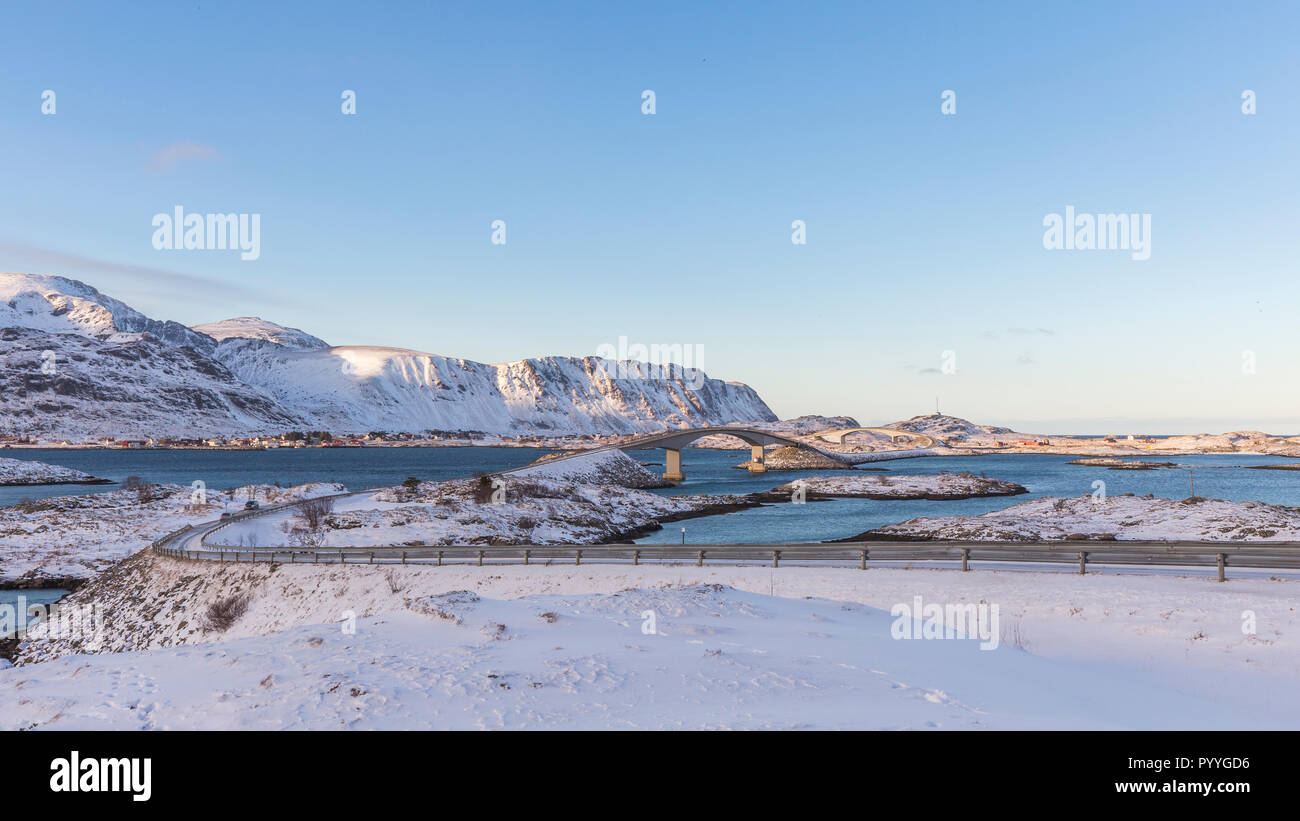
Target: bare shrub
{"type": "Point", "coordinates": [1014, 635]}
{"type": "Point", "coordinates": [313, 512]}
{"type": "Point", "coordinates": [395, 583]}
{"type": "Point", "coordinates": [528, 489]}
{"type": "Point", "coordinates": [303, 537]}
{"type": "Point", "coordinates": [144, 491]}
{"type": "Point", "coordinates": [224, 612]}
{"type": "Point", "coordinates": [408, 490]}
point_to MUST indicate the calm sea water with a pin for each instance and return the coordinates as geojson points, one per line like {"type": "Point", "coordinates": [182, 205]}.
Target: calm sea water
{"type": "Point", "coordinates": [1217, 476]}
{"type": "Point", "coordinates": [707, 471]}
{"type": "Point", "coordinates": [358, 468]}
{"type": "Point", "coordinates": [18, 619]}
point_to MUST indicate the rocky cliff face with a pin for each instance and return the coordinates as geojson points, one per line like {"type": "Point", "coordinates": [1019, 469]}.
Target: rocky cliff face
{"type": "Point", "coordinates": [369, 388]}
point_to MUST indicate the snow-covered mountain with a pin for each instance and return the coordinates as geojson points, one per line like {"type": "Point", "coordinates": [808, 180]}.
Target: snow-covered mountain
{"type": "Point", "coordinates": [60, 305]}
{"type": "Point", "coordinates": [256, 328]}
{"type": "Point", "coordinates": [118, 373]}
{"type": "Point", "coordinates": [372, 388]}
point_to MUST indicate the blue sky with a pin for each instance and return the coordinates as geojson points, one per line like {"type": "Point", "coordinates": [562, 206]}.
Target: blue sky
{"type": "Point", "coordinates": [924, 230]}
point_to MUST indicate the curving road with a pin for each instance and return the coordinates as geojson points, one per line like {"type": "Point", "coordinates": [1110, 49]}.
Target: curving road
{"type": "Point", "coordinates": [188, 544]}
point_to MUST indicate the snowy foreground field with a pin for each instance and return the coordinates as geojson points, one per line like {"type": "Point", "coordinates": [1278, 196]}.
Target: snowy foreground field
{"type": "Point", "coordinates": [745, 647]}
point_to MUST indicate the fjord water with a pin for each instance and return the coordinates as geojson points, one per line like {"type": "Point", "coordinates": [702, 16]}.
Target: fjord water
{"type": "Point", "coordinates": [358, 468]}
{"type": "Point", "coordinates": [1220, 476]}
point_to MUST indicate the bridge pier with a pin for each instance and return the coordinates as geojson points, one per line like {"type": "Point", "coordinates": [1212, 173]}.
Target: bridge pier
{"type": "Point", "coordinates": [756, 460]}
{"type": "Point", "coordinates": [673, 465]}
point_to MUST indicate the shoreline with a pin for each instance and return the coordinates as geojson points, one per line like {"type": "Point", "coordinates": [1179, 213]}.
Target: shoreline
{"type": "Point", "coordinates": [92, 481]}
{"type": "Point", "coordinates": [717, 509]}
{"type": "Point", "coordinates": [68, 583]}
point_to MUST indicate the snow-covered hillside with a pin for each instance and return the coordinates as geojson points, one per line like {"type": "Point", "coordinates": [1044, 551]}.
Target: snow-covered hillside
{"type": "Point", "coordinates": [941, 425]}
{"type": "Point", "coordinates": [118, 373]}
{"type": "Point", "coordinates": [605, 467]}
{"type": "Point", "coordinates": [133, 387]}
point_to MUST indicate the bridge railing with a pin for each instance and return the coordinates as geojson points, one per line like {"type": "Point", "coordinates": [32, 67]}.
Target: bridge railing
{"type": "Point", "coordinates": [1280, 556]}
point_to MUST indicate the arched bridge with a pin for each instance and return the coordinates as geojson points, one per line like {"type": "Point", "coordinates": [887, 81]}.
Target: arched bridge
{"type": "Point", "coordinates": [673, 441]}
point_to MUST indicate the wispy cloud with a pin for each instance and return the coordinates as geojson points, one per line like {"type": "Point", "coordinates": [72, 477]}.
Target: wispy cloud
{"type": "Point", "coordinates": [168, 157]}
{"type": "Point", "coordinates": [997, 335]}
{"type": "Point", "coordinates": [48, 261]}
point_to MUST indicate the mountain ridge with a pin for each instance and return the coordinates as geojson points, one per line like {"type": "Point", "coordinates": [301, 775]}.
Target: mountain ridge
{"type": "Point", "coordinates": [122, 374]}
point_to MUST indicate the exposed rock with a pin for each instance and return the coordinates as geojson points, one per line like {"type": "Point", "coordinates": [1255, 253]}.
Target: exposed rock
{"type": "Point", "coordinates": [789, 457]}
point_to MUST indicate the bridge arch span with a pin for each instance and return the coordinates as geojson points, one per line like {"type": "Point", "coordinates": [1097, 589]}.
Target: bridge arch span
{"type": "Point", "coordinates": [673, 441]}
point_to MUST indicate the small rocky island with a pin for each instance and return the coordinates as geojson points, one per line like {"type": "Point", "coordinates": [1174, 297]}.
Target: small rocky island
{"type": "Point", "coordinates": [935, 487]}
{"type": "Point", "coordinates": [788, 457]}
{"type": "Point", "coordinates": [1112, 463]}
{"type": "Point", "coordinates": [26, 472]}
{"type": "Point", "coordinates": [1116, 518]}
